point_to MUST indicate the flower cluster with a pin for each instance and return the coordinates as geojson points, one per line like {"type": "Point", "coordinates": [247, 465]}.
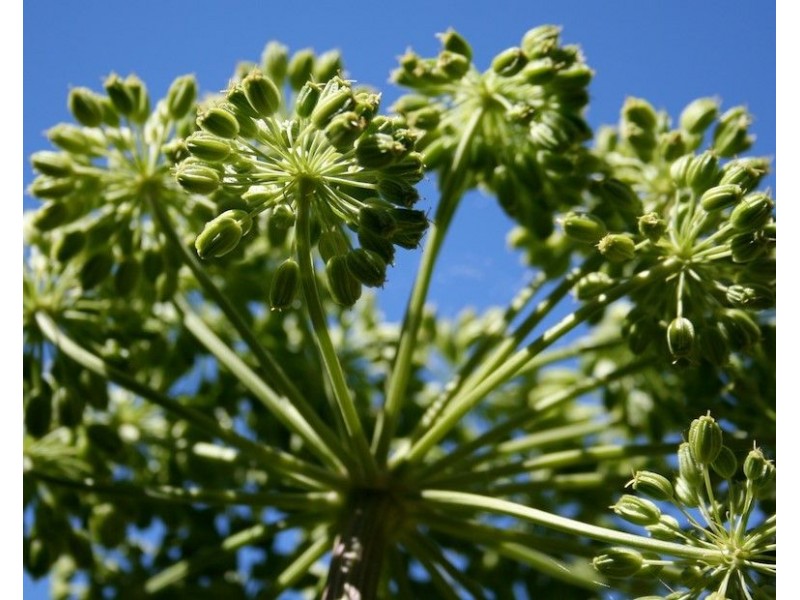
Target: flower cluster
{"type": "Point", "coordinates": [295, 142]}
{"type": "Point", "coordinates": [716, 495]}
{"type": "Point", "coordinates": [662, 201]}
{"type": "Point", "coordinates": [516, 128]}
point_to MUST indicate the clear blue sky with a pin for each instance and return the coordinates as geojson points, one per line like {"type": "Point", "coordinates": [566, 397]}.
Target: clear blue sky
{"type": "Point", "coordinates": [667, 52]}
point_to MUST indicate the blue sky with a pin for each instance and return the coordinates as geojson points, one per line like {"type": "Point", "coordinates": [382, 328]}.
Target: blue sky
{"type": "Point", "coordinates": [667, 52]}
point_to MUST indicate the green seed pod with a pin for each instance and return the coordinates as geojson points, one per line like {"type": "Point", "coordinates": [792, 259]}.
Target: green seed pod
{"type": "Point", "coordinates": [680, 337]}
{"type": "Point", "coordinates": [367, 266]}
{"type": "Point", "coordinates": [730, 135]}
{"type": "Point", "coordinates": [332, 242]}
{"type": "Point", "coordinates": [181, 96]}
{"type": "Point", "coordinates": [690, 470]}
{"type": "Point", "coordinates": [713, 346]}
{"type": "Point", "coordinates": [672, 145]}
{"type": "Point", "coordinates": [617, 247]}
{"type": "Point", "coordinates": [638, 511]}
{"type": "Point", "coordinates": [85, 106]}
{"type": "Point", "coordinates": [641, 113]}
{"type": "Point", "coordinates": [752, 213]}
{"type": "Point", "coordinates": [398, 192]}
{"type": "Point", "coordinates": [747, 173]}
{"type": "Point", "coordinates": [127, 275]}
{"type": "Point", "coordinates": [39, 413]}
{"type": "Point", "coordinates": [679, 169]}
{"type": "Point", "coordinates": [743, 332]}
{"type": "Point", "coordinates": [208, 147]}
{"type": "Point", "coordinates": [242, 217]}
{"type": "Point", "coordinates": [75, 140]}
{"type": "Point", "coordinates": [344, 129]}
{"type": "Point", "coordinates": [452, 41]}
{"type": "Point", "coordinates": [258, 196]}
{"type": "Point", "coordinates": [141, 99]}
{"type": "Point", "coordinates": [219, 121]}
{"type": "Point", "coordinates": [725, 464]}
{"type": "Point", "coordinates": [118, 93]}
{"type": "Point", "coordinates": [275, 61]}
{"type": "Point", "coordinates": [96, 268]}
{"type": "Point", "coordinates": [54, 164]}
{"type": "Point", "coordinates": [328, 65]}
{"type": "Point", "coordinates": [218, 237]}
{"type": "Point", "coordinates": [592, 285]}
{"type": "Point", "coordinates": [51, 188]}
{"type": "Point", "coordinates": [377, 220]}
{"type": "Point", "coordinates": [367, 105]}
{"type": "Point", "coordinates": [572, 79]}
{"type": "Point", "coordinates": [747, 247]}
{"type": "Point", "coordinates": [285, 285]}
{"type": "Point", "coordinates": [702, 172]}
{"type": "Point", "coordinates": [300, 68]}
{"type": "Point", "coordinates": [344, 287]}
{"type": "Point", "coordinates": [751, 296]}
{"type": "Point", "coordinates": [667, 529]}
{"type": "Point", "coordinates": [509, 62]}
{"type": "Point", "coordinates": [720, 197]}
{"type": "Point", "coordinates": [283, 216]}
{"type": "Point", "coordinates": [69, 245]}
{"type": "Point", "coordinates": [380, 245]}
{"type": "Point", "coordinates": [583, 227]}
{"type": "Point", "coordinates": [307, 99]}
{"type": "Point", "coordinates": [332, 100]}
{"type": "Point", "coordinates": [539, 71]}
{"type": "Point", "coordinates": [618, 563]}
{"type": "Point", "coordinates": [198, 178]}
{"type": "Point", "coordinates": [107, 525]}
{"type": "Point", "coordinates": [378, 150]}
{"type": "Point", "coordinates": [262, 94]}
{"type": "Point", "coordinates": [698, 115]}
{"type": "Point", "coordinates": [540, 41]}
{"type": "Point", "coordinates": [652, 485]}
{"type": "Point", "coordinates": [452, 65]}
{"type": "Point", "coordinates": [705, 439]}
{"type": "Point", "coordinates": [618, 194]}
{"type": "Point", "coordinates": [757, 468]}
{"type": "Point", "coordinates": [410, 168]}
{"type": "Point", "coordinates": [652, 226]}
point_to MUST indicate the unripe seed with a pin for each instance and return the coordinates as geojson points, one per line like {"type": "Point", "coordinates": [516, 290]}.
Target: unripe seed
{"type": "Point", "coordinates": [638, 511]}
{"type": "Point", "coordinates": [262, 94]}
{"type": "Point", "coordinates": [219, 121]}
{"type": "Point", "coordinates": [698, 115]}
{"type": "Point", "coordinates": [218, 237]}
{"type": "Point", "coordinates": [344, 287]}
{"type": "Point", "coordinates": [617, 247]}
{"type": "Point", "coordinates": [705, 439]}
{"type": "Point", "coordinates": [85, 107]}
{"type": "Point", "coordinates": [584, 227]}
{"type": "Point", "coordinates": [367, 266]}
{"type": "Point", "coordinates": [680, 337]}
{"type": "Point", "coordinates": [618, 563]}
{"type": "Point", "coordinates": [285, 285]}
{"type": "Point", "coordinates": [752, 213]}
{"type": "Point", "coordinates": [181, 96]}
{"type": "Point", "coordinates": [651, 484]}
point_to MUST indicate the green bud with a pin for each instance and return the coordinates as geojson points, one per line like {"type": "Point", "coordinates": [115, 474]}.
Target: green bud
{"type": "Point", "coordinates": [540, 41]}
{"type": "Point", "coordinates": [617, 247]}
{"type": "Point", "coordinates": [638, 511]}
{"type": "Point", "coordinates": [367, 266]}
{"type": "Point", "coordinates": [285, 285]}
{"type": "Point", "coordinates": [453, 65]}
{"type": "Point", "coordinates": [652, 226]}
{"type": "Point", "coordinates": [698, 115]}
{"type": "Point", "coordinates": [652, 485]}
{"type": "Point", "coordinates": [275, 61]}
{"type": "Point", "coordinates": [584, 227]}
{"type": "Point", "coordinates": [181, 96]}
{"type": "Point", "coordinates": [409, 168]}
{"type": "Point", "coordinates": [51, 188]}
{"type": "Point", "coordinates": [680, 337]}
{"type": "Point", "coordinates": [725, 464]}
{"type": "Point", "coordinates": [679, 169]}
{"type": "Point", "coordinates": [218, 237]}
{"type": "Point", "coordinates": [85, 106]}
{"type": "Point", "coordinates": [743, 331]}
{"type": "Point", "coordinates": [54, 164]}
{"type": "Point", "coordinates": [702, 172]}
{"type": "Point", "coordinates": [720, 197]}
{"type": "Point", "coordinates": [757, 468]}
{"type": "Point", "coordinates": [509, 62]}
{"type": "Point", "coordinates": [127, 275]}
{"type": "Point", "coordinates": [618, 563]}
{"type": "Point", "coordinates": [752, 213]}
{"type": "Point", "coordinates": [377, 244]}
{"type": "Point", "coordinates": [705, 439]}
{"type": "Point", "coordinates": [219, 121]}
{"type": "Point", "coordinates": [198, 178]}
{"type": "Point", "coordinates": [300, 68]}
{"type": "Point", "coordinates": [262, 94]}
{"type": "Point", "coordinates": [119, 94]}
{"type": "Point", "coordinates": [332, 100]}
{"type": "Point", "coordinates": [641, 113]}
{"type": "Point", "coordinates": [452, 41]}
{"type": "Point", "coordinates": [307, 99]}
{"type": "Point", "coordinates": [730, 135]}
{"type": "Point", "coordinates": [572, 79]}
{"type": "Point", "coordinates": [690, 470]}
{"type": "Point", "coordinates": [344, 287]}
{"type": "Point", "coordinates": [96, 268]}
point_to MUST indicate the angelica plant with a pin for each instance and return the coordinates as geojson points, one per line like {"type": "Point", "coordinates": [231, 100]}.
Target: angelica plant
{"type": "Point", "coordinates": [215, 407]}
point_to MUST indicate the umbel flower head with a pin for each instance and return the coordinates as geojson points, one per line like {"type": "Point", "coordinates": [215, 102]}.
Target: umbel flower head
{"type": "Point", "coordinates": [315, 162]}
{"type": "Point", "coordinates": [517, 127]}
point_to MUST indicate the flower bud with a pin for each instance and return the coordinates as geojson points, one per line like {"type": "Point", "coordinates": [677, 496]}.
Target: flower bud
{"type": "Point", "coordinates": [751, 296]}
{"type": "Point", "coordinates": [127, 276]}
{"type": "Point", "coordinates": [378, 150]}
{"type": "Point", "coordinates": [638, 511]}
{"type": "Point", "coordinates": [730, 135]}
{"type": "Point", "coordinates": [275, 61]}
{"type": "Point", "coordinates": [680, 337]}
{"type": "Point", "coordinates": [198, 178]}
{"type": "Point", "coordinates": [509, 62]}
{"type": "Point", "coordinates": [617, 247]}
{"type": "Point", "coordinates": [702, 172]}
{"type": "Point", "coordinates": [747, 247]}
{"type": "Point", "coordinates": [300, 68]}
{"type": "Point", "coordinates": [307, 99]}
{"type": "Point", "coordinates": [672, 145]}
{"type": "Point", "coordinates": [453, 42]}
{"type": "Point", "coordinates": [219, 121]}
{"type": "Point", "coordinates": [705, 439]}
{"type": "Point", "coordinates": [584, 227]}
{"type": "Point", "coordinates": [218, 237]}
{"type": "Point", "coordinates": [262, 94]}
{"type": "Point", "coordinates": [328, 65]}
{"type": "Point", "coordinates": [618, 563]}
{"type": "Point", "coordinates": [50, 215]}
{"type": "Point", "coordinates": [344, 287]}
{"type": "Point", "coordinates": [96, 268]}
{"type": "Point", "coordinates": [698, 115]}
{"type": "Point", "coordinates": [752, 213]}
{"type": "Point", "coordinates": [285, 285]}
{"type": "Point", "coordinates": [85, 106]}
{"type": "Point", "coordinates": [720, 197]}
{"type": "Point", "coordinates": [181, 96]}
{"type": "Point", "coordinates": [652, 226]}
{"type": "Point", "coordinates": [119, 94]}
{"type": "Point", "coordinates": [652, 484]}
{"type": "Point", "coordinates": [398, 192]}
{"type": "Point", "coordinates": [725, 464]}
{"type": "Point", "coordinates": [540, 41]}
{"type": "Point", "coordinates": [54, 164]}
{"type": "Point", "coordinates": [367, 266]}
{"type": "Point", "coordinates": [240, 216]}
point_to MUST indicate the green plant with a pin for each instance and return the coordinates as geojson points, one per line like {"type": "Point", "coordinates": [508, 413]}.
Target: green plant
{"type": "Point", "coordinates": [213, 408]}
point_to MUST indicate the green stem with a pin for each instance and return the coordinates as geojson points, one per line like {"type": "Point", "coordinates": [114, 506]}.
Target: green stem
{"type": "Point", "coordinates": [453, 188]}
{"type": "Point", "coordinates": [460, 500]}
{"type": "Point", "coordinates": [344, 400]}
{"type": "Point", "coordinates": [271, 459]}
{"type": "Point", "coordinates": [300, 566]}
